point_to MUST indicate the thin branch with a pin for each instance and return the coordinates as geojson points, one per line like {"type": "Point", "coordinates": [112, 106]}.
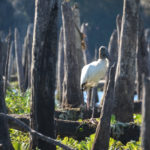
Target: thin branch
{"type": "Point", "coordinates": [35, 133]}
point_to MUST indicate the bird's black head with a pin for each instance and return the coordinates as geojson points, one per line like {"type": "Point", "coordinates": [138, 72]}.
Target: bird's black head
{"type": "Point", "coordinates": [103, 53]}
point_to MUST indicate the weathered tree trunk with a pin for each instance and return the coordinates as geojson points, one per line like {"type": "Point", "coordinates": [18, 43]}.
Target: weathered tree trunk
{"type": "Point", "coordinates": [147, 37]}
{"type": "Point", "coordinates": [86, 54]}
{"type": "Point", "coordinates": [102, 136]}
{"type": "Point", "coordinates": [72, 95]}
{"type": "Point", "coordinates": [125, 74]}
{"type": "Point", "coordinates": [145, 134]}
{"type": "Point", "coordinates": [78, 36]}
{"type": "Point", "coordinates": [60, 65]}
{"type": "Point", "coordinates": [4, 56]}
{"type": "Point", "coordinates": [43, 72]}
{"type": "Point", "coordinates": [118, 25]}
{"type": "Point", "coordinates": [10, 65]}
{"type": "Point", "coordinates": [142, 58]}
{"type": "Point", "coordinates": [18, 54]}
{"type": "Point", "coordinates": [27, 55]}
{"type": "Point", "coordinates": [8, 41]}
{"type": "Point", "coordinates": [113, 52]}
{"type": "Point", "coordinates": [4, 134]}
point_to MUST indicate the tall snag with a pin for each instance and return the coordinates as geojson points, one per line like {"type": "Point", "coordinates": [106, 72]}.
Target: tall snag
{"type": "Point", "coordinates": [125, 74]}
{"type": "Point", "coordinates": [27, 55]}
{"type": "Point", "coordinates": [72, 95]}
{"type": "Point", "coordinates": [101, 141]}
{"type": "Point", "coordinates": [4, 134]}
{"type": "Point", "coordinates": [60, 65]}
{"type": "Point", "coordinates": [18, 54]}
{"type": "Point", "coordinates": [145, 134]}
{"type": "Point", "coordinates": [142, 58]}
{"type": "Point", "coordinates": [44, 58]}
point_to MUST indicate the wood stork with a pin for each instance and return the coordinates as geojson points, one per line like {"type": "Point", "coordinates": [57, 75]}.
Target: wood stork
{"type": "Point", "coordinates": [93, 72]}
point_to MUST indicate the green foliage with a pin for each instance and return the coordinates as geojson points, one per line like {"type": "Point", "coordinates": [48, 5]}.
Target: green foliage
{"type": "Point", "coordinates": [20, 140]}
{"type": "Point", "coordinates": [88, 142]}
{"type": "Point", "coordinates": [20, 104]}
{"type": "Point", "coordinates": [137, 119]}
{"type": "Point", "coordinates": [83, 145]}
{"type": "Point", "coordinates": [117, 145]}
{"type": "Point", "coordinates": [17, 102]}
{"type": "Point", "coordinates": [113, 119]}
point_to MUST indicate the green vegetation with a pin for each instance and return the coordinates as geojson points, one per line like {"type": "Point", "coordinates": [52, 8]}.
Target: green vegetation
{"type": "Point", "coordinates": [20, 104]}
{"type": "Point", "coordinates": [17, 102]}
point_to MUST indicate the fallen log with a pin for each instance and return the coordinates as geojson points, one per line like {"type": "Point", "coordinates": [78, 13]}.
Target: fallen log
{"type": "Point", "coordinates": [34, 132]}
{"type": "Point", "coordinates": [123, 132]}
{"type": "Point", "coordinates": [82, 113]}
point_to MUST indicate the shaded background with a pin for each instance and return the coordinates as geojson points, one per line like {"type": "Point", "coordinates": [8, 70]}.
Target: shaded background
{"type": "Point", "coordinates": [100, 15]}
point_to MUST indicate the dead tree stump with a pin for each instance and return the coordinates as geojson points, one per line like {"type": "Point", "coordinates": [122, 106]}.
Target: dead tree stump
{"type": "Point", "coordinates": [125, 73]}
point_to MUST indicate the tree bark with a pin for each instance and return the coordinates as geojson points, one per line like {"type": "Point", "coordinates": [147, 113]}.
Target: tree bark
{"type": "Point", "coordinates": [118, 25]}
{"type": "Point", "coordinates": [18, 54]}
{"type": "Point", "coordinates": [145, 134]}
{"type": "Point", "coordinates": [101, 141]}
{"type": "Point", "coordinates": [8, 41]}
{"type": "Point", "coordinates": [43, 72]}
{"type": "Point", "coordinates": [27, 55]}
{"type": "Point", "coordinates": [72, 95]}
{"type": "Point", "coordinates": [4, 134]}
{"type": "Point", "coordinates": [60, 65]}
{"type": "Point", "coordinates": [125, 74]}
{"type": "Point", "coordinates": [147, 38]}
{"type": "Point", "coordinates": [4, 56]}
{"type": "Point", "coordinates": [113, 52]}
{"type": "Point", "coordinates": [10, 65]}
{"type": "Point", "coordinates": [142, 58]}
{"type": "Point", "coordinates": [86, 54]}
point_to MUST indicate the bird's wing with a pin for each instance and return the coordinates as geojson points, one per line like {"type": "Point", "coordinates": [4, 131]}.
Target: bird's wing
{"type": "Point", "coordinates": [86, 72]}
{"type": "Point", "coordinates": [92, 73]}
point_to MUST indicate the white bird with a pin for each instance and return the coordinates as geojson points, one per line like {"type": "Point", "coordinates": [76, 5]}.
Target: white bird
{"type": "Point", "coordinates": [92, 73]}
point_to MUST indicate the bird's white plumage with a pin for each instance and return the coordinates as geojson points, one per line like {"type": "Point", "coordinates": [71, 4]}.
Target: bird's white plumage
{"type": "Point", "coordinates": [93, 72]}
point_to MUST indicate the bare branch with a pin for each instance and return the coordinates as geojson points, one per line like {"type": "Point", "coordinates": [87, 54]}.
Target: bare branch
{"type": "Point", "coordinates": [35, 133]}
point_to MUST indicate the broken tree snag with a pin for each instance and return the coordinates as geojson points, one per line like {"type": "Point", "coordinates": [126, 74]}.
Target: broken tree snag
{"type": "Point", "coordinates": [43, 73]}
{"type": "Point", "coordinates": [125, 73]}
{"type": "Point", "coordinates": [85, 50]}
{"type": "Point", "coordinates": [113, 52]}
{"type": "Point", "coordinates": [60, 66]}
{"type": "Point", "coordinates": [72, 95]}
{"type": "Point", "coordinates": [10, 64]}
{"type": "Point", "coordinates": [8, 41]}
{"type": "Point", "coordinates": [118, 25]}
{"type": "Point", "coordinates": [4, 134]}
{"type": "Point", "coordinates": [145, 134]}
{"type": "Point", "coordinates": [78, 36]}
{"type": "Point", "coordinates": [147, 39]}
{"type": "Point", "coordinates": [101, 141]}
{"type": "Point", "coordinates": [142, 58]}
{"type": "Point", "coordinates": [27, 55]}
{"type": "Point", "coordinates": [18, 54]}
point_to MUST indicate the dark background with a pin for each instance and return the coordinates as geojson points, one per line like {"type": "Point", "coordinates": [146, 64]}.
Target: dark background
{"type": "Point", "coordinates": [100, 15]}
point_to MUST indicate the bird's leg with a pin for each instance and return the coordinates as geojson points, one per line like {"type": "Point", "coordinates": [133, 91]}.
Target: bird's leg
{"type": "Point", "coordinates": [93, 101]}
{"type": "Point", "coordinates": [88, 98]}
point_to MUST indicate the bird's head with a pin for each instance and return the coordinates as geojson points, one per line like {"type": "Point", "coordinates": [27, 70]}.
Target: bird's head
{"type": "Point", "coordinates": [103, 53]}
